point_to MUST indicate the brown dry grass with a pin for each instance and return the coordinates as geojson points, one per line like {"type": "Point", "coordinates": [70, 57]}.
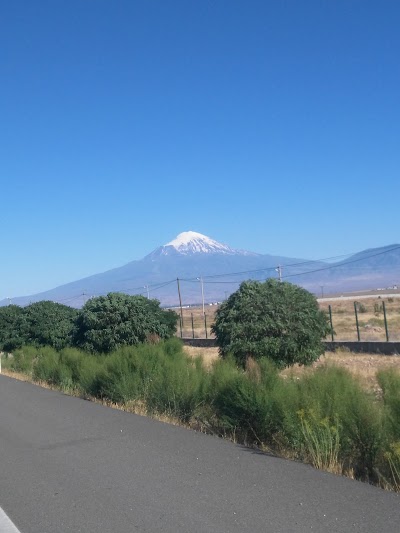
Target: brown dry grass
{"type": "Point", "coordinates": [199, 325]}
{"type": "Point", "coordinates": [16, 375]}
{"type": "Point", "coordinates": [363, 366]}
{"type": "Point", "coordinates": [209, 355]}
{"type": "Point", "coordinates": [371, 322]}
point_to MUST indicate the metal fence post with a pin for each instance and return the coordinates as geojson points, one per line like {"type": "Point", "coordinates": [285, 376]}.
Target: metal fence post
{"type": "Point", "coordinates": [330, 319]}
{"type": "Point", "coordinates": [358, 328]}
{"type": "Point", "coordinates": [385, 319]}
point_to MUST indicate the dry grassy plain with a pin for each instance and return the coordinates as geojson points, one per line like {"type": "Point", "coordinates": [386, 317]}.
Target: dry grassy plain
{"type": "Point", "coordinates": [362, 366]}
{"type": "Point", "coordinates": [370, 319]}
{"type": "Point", "coordinates": [199, 323]}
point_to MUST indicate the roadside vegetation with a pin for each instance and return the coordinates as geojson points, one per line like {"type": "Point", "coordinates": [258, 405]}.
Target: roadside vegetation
{"type": "Point", "coordinates": [324, 417]}
{"type": "Point", "coordinates": [121, 350]}
{"type": "Point", "coordinates": [103, 324]}
{"type": "Point", "coordinates": [279, 319]}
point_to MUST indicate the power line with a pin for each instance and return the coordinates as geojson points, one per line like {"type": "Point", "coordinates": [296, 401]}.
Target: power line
{"type": "Point", "coordinates": [328, 267]}
{"type": "Point", "coordinates": [271, 268]}
{"type": "Point", "coordinates": [208, 278]}
{"type": "Point", "coordinates": [344, 263]}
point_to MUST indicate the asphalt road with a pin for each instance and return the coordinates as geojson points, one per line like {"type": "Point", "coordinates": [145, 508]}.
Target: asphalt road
{"type": "Point", "coordinates": [70, 465]}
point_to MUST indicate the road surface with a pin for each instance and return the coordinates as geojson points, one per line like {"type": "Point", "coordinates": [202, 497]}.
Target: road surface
{"type": "Point", "coordinates": [68, 465]}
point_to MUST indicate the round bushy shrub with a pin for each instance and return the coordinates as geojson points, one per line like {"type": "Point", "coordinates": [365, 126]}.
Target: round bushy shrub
{"type": "Point", "coordinates": [108, 322]}
{"type": "Point", "coordinates": [277, 320]}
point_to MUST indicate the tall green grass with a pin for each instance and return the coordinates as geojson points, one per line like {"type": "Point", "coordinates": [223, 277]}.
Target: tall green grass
{"type": "Point", "coordinates": [343, 419]}
{"type": "Point", "coordinates": [389, 380]}
{"type": "Point", "coordinates": [22, 359]}
{"type": "Point", "coordinates": [325, 417]}
{"type": "Point", "coordinates": [246, 402]}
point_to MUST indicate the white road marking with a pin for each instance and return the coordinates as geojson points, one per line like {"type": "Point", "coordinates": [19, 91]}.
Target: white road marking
{"type": "Point", "coordinates": [6, 526]}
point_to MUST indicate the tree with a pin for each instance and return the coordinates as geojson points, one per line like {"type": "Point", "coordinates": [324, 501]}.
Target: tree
{"type": "Point", "coordinates": [107, 322]}
{"type": "Point", "coordinates": [12, 328]}
{"type": "Point", "coordinates": [49, 324]}
{"type": "Point", "coordinates": [277, 320]}
{"type": "Point", "coordinates": [168, 317]}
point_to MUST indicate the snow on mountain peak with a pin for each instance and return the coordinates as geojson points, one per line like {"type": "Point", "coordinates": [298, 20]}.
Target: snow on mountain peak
{"type": "Point", "coordinates": [192, 242]}
{"type": "Point", "coordinates": [189, 243]}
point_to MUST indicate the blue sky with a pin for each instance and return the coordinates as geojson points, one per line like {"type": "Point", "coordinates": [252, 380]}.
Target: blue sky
{"type": "Point", "coordinates": [272, 126]}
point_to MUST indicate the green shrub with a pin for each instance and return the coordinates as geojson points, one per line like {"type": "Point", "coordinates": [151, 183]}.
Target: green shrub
{"type": "Point", "coordinates": [92, 376]}
{"type": "Point", "coordinates": [49, 324]}
{"type": "Point", "coordinates": [23, 358]}
{"type": "Point", "coordinates": [324, 417]}
{"type": "Point", "coordinates": [245, 401]}
{"type": "Point", "coordinates": [172, 382]}
{"type": "Point", "coordinates": [389, 381]}
{"type": "Point", "coordinates": [392, 457]}
{"type": "Point", "coordinates": [72, 358]}
{"type": "Point", "coordinates": [361, 308]}
{"type": "Point", "coordinates": [332, 397]}
{"type": "Point", "coordinates": [277, 320]}
{"type": "Point", "coordinates": [160, 376]}
{"type": "Point", "coordinates": [109, 322]}
{"type": "Point", "coordinates": [119, 381]}
{"type": "Point", "coordinates": [47, 368]}
{"type": "Point", "coordinates": [320, 441]}
{"type": "Point", "coordinates": [13, 330]}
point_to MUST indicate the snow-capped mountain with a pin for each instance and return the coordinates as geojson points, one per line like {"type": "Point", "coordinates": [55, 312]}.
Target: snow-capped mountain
{"type": "Point", "coordinates": [194, 258]}
{"type": "Point", "coordinates": [191, 242]}
{"type": "Point", "coordinates": [189, 257]}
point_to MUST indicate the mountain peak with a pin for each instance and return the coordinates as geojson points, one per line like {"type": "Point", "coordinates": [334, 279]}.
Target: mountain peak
{"type": "Point", "coordinates": [193, 242]}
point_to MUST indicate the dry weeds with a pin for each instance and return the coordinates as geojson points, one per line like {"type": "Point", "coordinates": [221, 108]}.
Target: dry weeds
{"type": "Point", "coordinates": [16, 375]}
{"type": "Point", "coordinates": [363, 366]}
{"type": "Point", "coordinates": [209, 355]}
{"type": "Point", "coordinates": [371, 321]}
{"type": "Point", "coordinates": [370, 318]}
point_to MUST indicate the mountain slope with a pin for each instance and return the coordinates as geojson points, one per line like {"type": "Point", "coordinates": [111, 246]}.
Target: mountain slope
{"type": "Point", "coordinates": [192, 257]}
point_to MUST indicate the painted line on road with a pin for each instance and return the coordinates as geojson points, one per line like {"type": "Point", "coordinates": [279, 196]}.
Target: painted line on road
{"type": "Point", "coordinates": [6, 526]}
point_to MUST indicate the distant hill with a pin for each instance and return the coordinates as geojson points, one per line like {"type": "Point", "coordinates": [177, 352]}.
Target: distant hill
{"type": "Point", "coordinates": [195, 259]}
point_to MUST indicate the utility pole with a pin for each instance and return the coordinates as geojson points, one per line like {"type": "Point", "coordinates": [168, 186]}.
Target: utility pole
{"type": "Point", "coordinates": [9, 300]}
{"type": "Point", "coordinates": [180, 303]}
{"type": "Point", "coordinates": [83, 297]}
{"type": "Point", "coordinates": [202, 291]}
{"type": "Point", "coordinates": [148, 292]}
{"type": "Point", "coordinates": [279, 270]}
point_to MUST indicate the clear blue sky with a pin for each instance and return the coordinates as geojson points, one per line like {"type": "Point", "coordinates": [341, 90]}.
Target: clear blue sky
{"type": "Point", "coordinates": [272, 126]}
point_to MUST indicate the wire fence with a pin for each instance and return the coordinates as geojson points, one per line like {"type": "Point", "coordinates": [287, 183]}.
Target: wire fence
{"type": "Point", "coordinates": [372, 319]}
{"type": "Point", "coordinates": [194, 324]}
{"type": "Point", "coordinates": [369, 319]}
